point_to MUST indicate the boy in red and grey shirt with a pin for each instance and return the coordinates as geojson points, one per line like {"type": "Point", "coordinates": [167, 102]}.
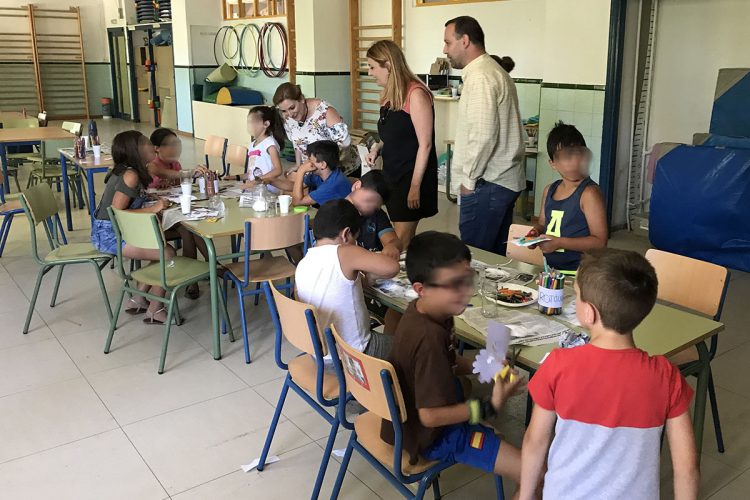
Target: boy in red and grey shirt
{"type": "Point", "coordinates": [608, 402]}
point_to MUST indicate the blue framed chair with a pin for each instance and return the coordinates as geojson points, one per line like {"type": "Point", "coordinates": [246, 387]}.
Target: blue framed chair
{"type": "Point", "coordinates": [10, 206]}
{"type": "Point", "coordinates": [374, 384]}
{"type": "Point", "coordinates": [677, 277]}
{"type": "Point", "coordinates": [263, 235]}
{"type": "Point", "coordinates": [40, 206]}
{"type": "Point", "coordinates": [216, 147]}
{"type": "Point", "coordinates": [306, 374]}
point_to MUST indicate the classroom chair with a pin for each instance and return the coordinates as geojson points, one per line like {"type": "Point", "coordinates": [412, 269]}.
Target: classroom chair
{"type": "Point", "coordinates": [263, 235]}
{"type": "Point", "coordinates": [522, 254]}
{"type": "Point", "coordinates": [237, 156]}
{"type": "Point", "coordinates": [701, 287]}
{"type": "Point", "coordinates": [47, 169]}
{"type": "Point", "coordinates": [374, 384]}
{"type": "Point", "coordinates": [144, 231]}
{"type": "Point", "coordinates": [40, 206]}
{"type": "Point", "coordinates": [305, 374]}
{"type": "Point", "coordinates": [216, 147]}
{"type": "Point", "coordinates": [10, 206]}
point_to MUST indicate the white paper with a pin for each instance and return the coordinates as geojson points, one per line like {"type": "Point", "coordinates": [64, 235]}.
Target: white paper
{"type": "Point", "coordinates": [527, 242]}
{"type": "Point", "coordinates": [544, 358]}
{"type": "Point", "coordinates": [489, 361]}
{"type": "Point", "coordinates": [269, 460]}
{"type": "Point", "coordinates": [339, 453]}
{"type": "Point", "coordinates": [528, 329]}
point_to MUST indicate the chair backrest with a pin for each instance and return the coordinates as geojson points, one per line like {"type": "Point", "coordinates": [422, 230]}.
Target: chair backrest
{"type": "Point", "coordinates": [236, 156]}
{"type": "Point", "coordinates": [215, 146]}
{"type": "Point", "coordinates": [273, 233]}
{"type": "Point", "coordinates": [364, 382]}
{"type": "Point", "coordinates": [72, 127]}
{"type": "Point", "coordinates": [139, 229]}
{"type": "Point", "coordinates": [41, 203]}
{"type": "Point", "coordinates": [690, 283]}
{"type": "Point", "coordinates": [20, 123]}
{"type": "Point", "coordinates": [294, 323]}
{"type": "Point", "coordinates": [535, 256]}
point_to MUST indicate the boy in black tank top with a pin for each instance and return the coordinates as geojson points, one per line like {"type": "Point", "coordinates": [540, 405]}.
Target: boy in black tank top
{"type": "Point", "coordinates": [573, 215]}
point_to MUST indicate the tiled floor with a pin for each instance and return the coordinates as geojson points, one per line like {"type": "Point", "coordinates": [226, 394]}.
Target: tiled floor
{"type": "Point", "coordinates": [78, 424]}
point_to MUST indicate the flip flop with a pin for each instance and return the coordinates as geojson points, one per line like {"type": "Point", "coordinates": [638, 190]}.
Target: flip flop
{"type": "Point", "coordinates": [137, 309]}
{"type": "Point", "coordinates": [149, 320]}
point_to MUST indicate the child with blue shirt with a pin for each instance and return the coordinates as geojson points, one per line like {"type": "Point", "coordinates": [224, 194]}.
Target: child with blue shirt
{"type": "Point", "coordinates": [573, 215]}
{"type": "Point", "coordinates": [319, 179]}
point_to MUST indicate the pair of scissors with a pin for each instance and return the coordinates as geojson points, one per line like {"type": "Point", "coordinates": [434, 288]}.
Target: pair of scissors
{"type": "Point", "coordinates": [506, 373]}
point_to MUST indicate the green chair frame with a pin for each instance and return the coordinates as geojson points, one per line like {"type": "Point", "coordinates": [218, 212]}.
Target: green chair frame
{"type": "Point", "coordinates": [40, 206]}
{"type": "Point", "coordinates": [15, 160]}
{"type": "Point", "coordinates": [143, 230]}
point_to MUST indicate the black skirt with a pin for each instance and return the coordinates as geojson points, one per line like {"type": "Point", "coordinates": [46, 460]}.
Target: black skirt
{"type": "Point", "coordinates": [398, 207]}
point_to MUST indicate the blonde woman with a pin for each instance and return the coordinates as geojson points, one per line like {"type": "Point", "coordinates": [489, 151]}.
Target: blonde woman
{"type": "Point", "coordinates": [407, 139]}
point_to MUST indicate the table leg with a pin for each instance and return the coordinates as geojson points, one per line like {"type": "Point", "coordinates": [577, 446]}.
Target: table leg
{"type": "Point", "coordinates": [66, 191]}
{"type": "Point", "coordinates": [448, 174]}
{"type": "Point", "coordinates": [214, 286]}
{"type": "Point", "coordinates": [4, 160]}
{"type": "Point", "coordinates": [701, 391]}
{"type": "Point", "coordinates": [92, 195]}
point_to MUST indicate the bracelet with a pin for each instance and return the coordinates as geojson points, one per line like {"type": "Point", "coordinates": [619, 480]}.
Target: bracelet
{"type": "Point", "coordinates": [475, 411]}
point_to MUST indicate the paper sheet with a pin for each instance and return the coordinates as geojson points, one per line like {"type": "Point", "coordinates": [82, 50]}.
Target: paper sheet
{"type": "Point", "coordinates": [527, 329]}
{"type": "Point", "coordinates": [252, 465]}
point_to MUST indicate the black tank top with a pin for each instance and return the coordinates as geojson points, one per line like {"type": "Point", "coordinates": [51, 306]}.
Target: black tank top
{"type": "Point", "coordinates": [565, 219]}
{"type": "Point", "coordinates": [400, 143]}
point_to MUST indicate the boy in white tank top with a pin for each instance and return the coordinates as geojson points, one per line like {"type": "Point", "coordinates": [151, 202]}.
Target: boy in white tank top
{"type": "Point", "coordinates": [330, 277]}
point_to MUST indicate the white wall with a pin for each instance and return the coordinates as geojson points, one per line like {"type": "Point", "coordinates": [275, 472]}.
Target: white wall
{"type": "Point", "coordinates": [694, 40]}
{"type": "Point", "coordinates": [95, 46]}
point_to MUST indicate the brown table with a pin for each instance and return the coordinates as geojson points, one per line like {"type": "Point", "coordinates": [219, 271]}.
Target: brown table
{"type": "Point", "coordinates": [28, 137]}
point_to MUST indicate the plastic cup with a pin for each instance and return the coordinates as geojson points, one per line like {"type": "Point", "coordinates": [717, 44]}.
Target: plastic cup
{"type": "Point", "coordinates": [97, 148]}
{"type": "Point", "coordinates": [187, 188]}
{"type": "Point", "coordinates": [185, 200]}
{"type": "Point", "coordinates": [454, 92]}
{"type": "Point", "coordinates": [285, 201]}
{"type": "Point", "coordinates": [202, 185]}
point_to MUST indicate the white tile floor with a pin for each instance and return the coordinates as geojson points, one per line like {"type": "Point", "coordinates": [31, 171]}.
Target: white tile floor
{"type": "Point", "coordinates": [76, 423]}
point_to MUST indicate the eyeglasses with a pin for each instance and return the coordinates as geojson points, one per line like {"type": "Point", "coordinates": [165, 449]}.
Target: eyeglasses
{"type": "Point", "coordinates": [455, 285]}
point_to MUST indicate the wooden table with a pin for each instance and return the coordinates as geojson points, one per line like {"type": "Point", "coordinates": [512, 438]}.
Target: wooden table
{"type": "Point", "coordinates": [666, 331]}
{"type": "Point", "coordinates": [232, 224]}
{"type": "Point", "coordinates": [89, 166]}
{"type": "Point", "coordinates": [27, 137]}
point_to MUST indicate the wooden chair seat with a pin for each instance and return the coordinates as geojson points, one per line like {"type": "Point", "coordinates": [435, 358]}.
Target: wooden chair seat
{"type": "Point", "coordinates": [367, 426]}
{"type": "Point", "coordinates": [268, 269]}
{"type": "Point", "coordinates": [11, 206]}
{"type": "Point", "coordinates": [304, 373]}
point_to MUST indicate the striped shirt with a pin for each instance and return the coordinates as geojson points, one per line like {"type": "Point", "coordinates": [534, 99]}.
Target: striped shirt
{"type": "Point", "coordinates": [611, 408]}
{"type": "Point", "coordinates": [489, 137]}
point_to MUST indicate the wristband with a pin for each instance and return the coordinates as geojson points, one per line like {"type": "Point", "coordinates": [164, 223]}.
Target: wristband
{"type": "Point", "coordinates": [475, 411]}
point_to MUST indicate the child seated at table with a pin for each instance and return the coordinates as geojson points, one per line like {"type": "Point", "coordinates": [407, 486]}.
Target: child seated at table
{"type": "Point", "coordinates": [607, 403]}
{"type": "Point", "coordinates": [573, 215]}
{"type": "Point", "coordinates": [319, 179]}
{"type": "Point", "coordinates": [439, 425]}
{"type": "Point", "coordinates": [369, 193]}
{"type": "Point", "coordinates": [165, 167]}
{"type": "Point", "coordinates": [330, 277]}
{"type": "Point", "coordinates": [124, 189]}
{"type": "Point", "coordinates": [264, 158]}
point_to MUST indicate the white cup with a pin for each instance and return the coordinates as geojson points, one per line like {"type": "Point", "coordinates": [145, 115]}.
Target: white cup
{"type": "Point", "coordinates": [454, 92]}
{"type": "Point", "coordinates": [97, 150]}
{"type": "Point", "coordinates": [285, 201]}
{"type": "Point", "coordinates": [202, 184]}
{"type": "Point", "coordinates": [187, 188]}
{"type": "Point", "coordinates": [185, 203]}
{"type": "Point", "coordinates": [86, 141]}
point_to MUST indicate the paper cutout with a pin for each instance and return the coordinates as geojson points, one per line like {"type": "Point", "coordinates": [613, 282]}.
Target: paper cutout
{"type": "Point", "coordinates": [252, 465]}
{"type": "Point", "coordinates": [489, 361]}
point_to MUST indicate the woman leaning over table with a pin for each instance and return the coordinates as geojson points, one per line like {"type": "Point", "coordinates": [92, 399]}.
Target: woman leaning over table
{"type": "Point", "coordinates": [308, 120]}
{"type": "Point", "coordinates": [407, 139]}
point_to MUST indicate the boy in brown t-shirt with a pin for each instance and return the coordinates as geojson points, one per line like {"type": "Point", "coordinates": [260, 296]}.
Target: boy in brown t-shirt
{"type": "Point", "coordinates": [439, 425]}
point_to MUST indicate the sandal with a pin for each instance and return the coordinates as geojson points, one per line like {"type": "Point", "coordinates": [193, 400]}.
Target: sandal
{"type": "Point", "coordinates": [150, 320]}
{"type": "Point", "coordinates": [192, 292]}
{"type": "Point", "coordinates": [138, 309]}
